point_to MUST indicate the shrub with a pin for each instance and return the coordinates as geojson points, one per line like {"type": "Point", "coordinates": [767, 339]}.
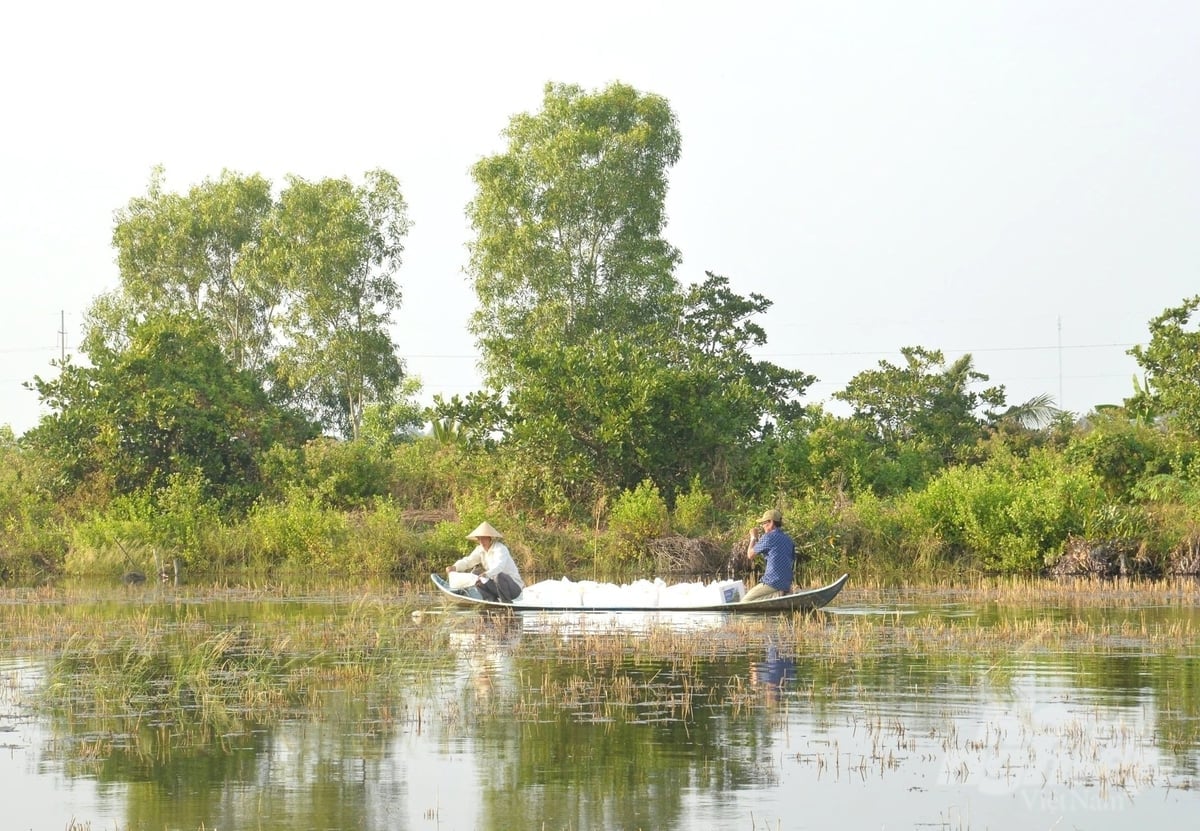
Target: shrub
{"type": "Point", "coordinates": [380, 543]}
{"type": "Point", "coordinates": [637, 516]}
{"type": "Point", "coordinates": [1009, 514]}
{"type": "Point", "coordinates": [300, 531]}
{"type": "Point", "coordinates": [33, 542]}
{"type": "Point", "coordinates": [424, 473]}
{"type": "Point", "coordinates": [146, 528]}
{"type": "Point", "coordinates": [694, 513]}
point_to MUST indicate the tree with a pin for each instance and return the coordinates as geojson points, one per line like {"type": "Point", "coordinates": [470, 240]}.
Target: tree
{"type": "Point", "coordinates": [198, 253]}
{"type": "Point", "coordinates": [923, 406]}
{"type": "Point", "coordinates": [299, 290]}
{"type": "Point", "coordinates": [568, 222]}
{"type": "Point", "coordinates": [1171, 362]}
{"type": "Point", "coordinates": [602, 371]}
{"type": "Point", "coordinates": [170, 403]}
{"type": "Point", "coordinates": [718, 329]}
{"type": "Point", "coordinates": [337, 247]}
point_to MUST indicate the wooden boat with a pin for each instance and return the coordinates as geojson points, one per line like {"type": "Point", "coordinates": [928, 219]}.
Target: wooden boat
{"type": "Point", "coordinates": [801, 601]}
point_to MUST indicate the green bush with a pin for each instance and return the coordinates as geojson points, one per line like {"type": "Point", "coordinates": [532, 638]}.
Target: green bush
{"type": "Point", "coordinates": [345, 474]}
{"type": "Point", "coordinates": [379, 543]}
{"type": "Point", "coordinates": [300, 531]}
{"type": "Point", "coordinates": [425, 473]}
{"type": "Point", "coordinates": [1118, 452]}
{"type": "Point", "coordinates": [694, 513]}
{"type": "Point", "coordinates": [183, 514]}
{"type": "Point", "coordinates": [636, 517]}
{"type": "Point", "coordinates": [1009, 514]}
{"type": "Point", "coordinates": [145, 529]}
{"type": "Point", "coordinates": [33, 541]}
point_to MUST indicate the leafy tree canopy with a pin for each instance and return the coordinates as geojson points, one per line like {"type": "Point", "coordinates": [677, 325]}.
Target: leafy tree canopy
{"type": "Point", "coordinates": [336, 246]}
{"type": "Point", "coordinates": [569, 221]}
{"type": "Point", "coordinates": [925, 401]}
{"type": "Point", "coordinates": [298, 289]}
{"type": "Point", "coordinates": [1171, 362]}
{"type": "Point", "coordinates": [169, 403]}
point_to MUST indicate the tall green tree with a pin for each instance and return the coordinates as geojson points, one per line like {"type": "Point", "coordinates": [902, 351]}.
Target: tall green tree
{"type": "Point", "coordinates": [299, 289]}
{"type": "Point", "coordinates": [568, 222]}
{"type": "Point", "coordinates": [602, 370]}
{"type": "Point", "coordinates": [197, 253]}
{"type": "Point", "coordinates": [1171, 362]}
{"type": "Point", "coordinates": [337, 246]}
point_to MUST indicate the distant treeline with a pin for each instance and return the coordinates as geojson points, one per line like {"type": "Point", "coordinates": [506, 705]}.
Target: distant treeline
{"type": "Point", "coordinates": [243, 405]}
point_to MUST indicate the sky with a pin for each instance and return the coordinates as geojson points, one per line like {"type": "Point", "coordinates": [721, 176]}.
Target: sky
{"type": "Point", "coordinates": [1016, 180]}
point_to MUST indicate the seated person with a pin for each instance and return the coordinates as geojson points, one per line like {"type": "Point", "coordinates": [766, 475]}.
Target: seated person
{"type": "Point", "coordinates": [781, 558]}
{"type": "Point", "coordinates": [499, 579]}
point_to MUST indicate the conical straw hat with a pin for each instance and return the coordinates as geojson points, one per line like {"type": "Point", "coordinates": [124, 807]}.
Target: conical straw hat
{"type": "Point", "coordinates": [485, 530]}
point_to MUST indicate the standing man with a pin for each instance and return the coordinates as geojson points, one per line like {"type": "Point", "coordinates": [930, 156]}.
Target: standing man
{"type": "Point", "coordinates": [780, 551]}
{"type": "Point", "coordinates": [499, 579]}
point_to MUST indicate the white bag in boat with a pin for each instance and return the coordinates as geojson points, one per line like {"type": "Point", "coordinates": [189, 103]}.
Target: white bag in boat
{"type": "Point", "coordinates": [460, 580]}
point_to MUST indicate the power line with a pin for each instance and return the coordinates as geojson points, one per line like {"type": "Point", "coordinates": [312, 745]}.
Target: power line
{"type": "Point", "coordinates": [867, 354]}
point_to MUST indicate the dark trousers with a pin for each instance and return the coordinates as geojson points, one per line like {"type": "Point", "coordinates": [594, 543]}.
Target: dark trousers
{"type": "Point", "coordinates": [500, 588]}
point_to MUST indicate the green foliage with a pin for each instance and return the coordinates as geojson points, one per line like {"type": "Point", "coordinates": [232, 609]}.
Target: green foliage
{"type": "Point", "coordinates": [694, 512]}
{"type": "Point", "coordinates": [195, 254]}
{"type": "Point", "coordinates": [380, 542]}
{"type": "Point", "coordinates": [924, 405]}
{"type": "Point", "coordinates": [1171, 361]}
{"type": "Point", "coordinates": [637, 516]}
{"type": "Point", "coordinates": [344, 474]}
{"type": "Point", "coordinates": [299, 532]}
{"type": "Point", "coordinates": [718, 332]}
{"type": "Point", "coordinates": [602, 370]}
{"type": "Point", "coordinates": [1009, 514]}
{"type": "Point", "coordinates": [184, 512]}
{"type": "Point", "coordinates": [426, 474]}
{"type": "Point", "coordinates": [337, 246]}
{"type": "Point", "coordinates": [169, 403]}
{"type": "Point", "coordinates": [818, 452]}
{"type": "Point", "coordinates": [1114, 521]}
{"type": "Point", "coordinates": [1123, 453]}
{"type": "Point", "coordinates": [32, 539]}
{"type": "Point", "coordinates": [392, 423]}
{"type": "Point", "coordinates": [147, 528]}
{"type": "Point", "coordinates": [568, 222]}
{"type": "Point", "coordinates": [298, 291]}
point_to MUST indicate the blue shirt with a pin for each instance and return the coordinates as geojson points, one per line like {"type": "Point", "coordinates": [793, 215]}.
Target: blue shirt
{"type": "Point", "coordinates": [781, 558]}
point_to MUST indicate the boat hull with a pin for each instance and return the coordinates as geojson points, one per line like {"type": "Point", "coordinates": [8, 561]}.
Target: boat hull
{"type": "Point", "coordinates": [801, 601]}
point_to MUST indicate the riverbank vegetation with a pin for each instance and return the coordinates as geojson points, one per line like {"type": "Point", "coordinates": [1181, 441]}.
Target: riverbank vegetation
{"type": "Point", "coordinates": [243, 408]}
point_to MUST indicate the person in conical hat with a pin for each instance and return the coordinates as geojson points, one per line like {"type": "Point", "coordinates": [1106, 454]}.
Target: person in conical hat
{"type": "Point", "coordinates": [498, 576]}
{"type": "Point", "coordinates": [485, 529]}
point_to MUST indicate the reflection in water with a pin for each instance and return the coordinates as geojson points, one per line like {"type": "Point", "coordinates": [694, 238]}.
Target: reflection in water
{"type": "Point", "coordinates": [773, 674]}
{"type": "Point", "coordinates": [606, 721]}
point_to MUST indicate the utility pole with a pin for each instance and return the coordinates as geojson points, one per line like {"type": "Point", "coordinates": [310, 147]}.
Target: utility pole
{"type": "Point", "coordinates": [62, 335]}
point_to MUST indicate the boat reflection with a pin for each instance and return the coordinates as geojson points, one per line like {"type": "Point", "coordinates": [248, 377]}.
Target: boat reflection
{"type": "Point", "coordinates": [601, 622]}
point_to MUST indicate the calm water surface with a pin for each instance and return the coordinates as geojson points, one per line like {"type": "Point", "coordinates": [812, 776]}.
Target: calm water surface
{"type": "Point", "coordinates": [225, 711]}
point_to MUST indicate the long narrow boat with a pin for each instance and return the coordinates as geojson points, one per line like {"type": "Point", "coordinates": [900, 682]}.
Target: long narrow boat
{"type": "Point", "coordinates": [801, 601]}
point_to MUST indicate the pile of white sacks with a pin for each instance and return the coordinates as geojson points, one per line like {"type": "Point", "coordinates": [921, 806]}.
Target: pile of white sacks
{"type": "Point", "coordinates": [641, 594]}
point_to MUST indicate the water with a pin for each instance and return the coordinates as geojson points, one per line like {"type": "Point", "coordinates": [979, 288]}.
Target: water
{"type": "Point", "coordinates": [224, 711]}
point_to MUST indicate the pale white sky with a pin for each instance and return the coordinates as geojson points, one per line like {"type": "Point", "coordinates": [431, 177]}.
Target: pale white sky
{"type": "Point", "coordinates": [956, 175]}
